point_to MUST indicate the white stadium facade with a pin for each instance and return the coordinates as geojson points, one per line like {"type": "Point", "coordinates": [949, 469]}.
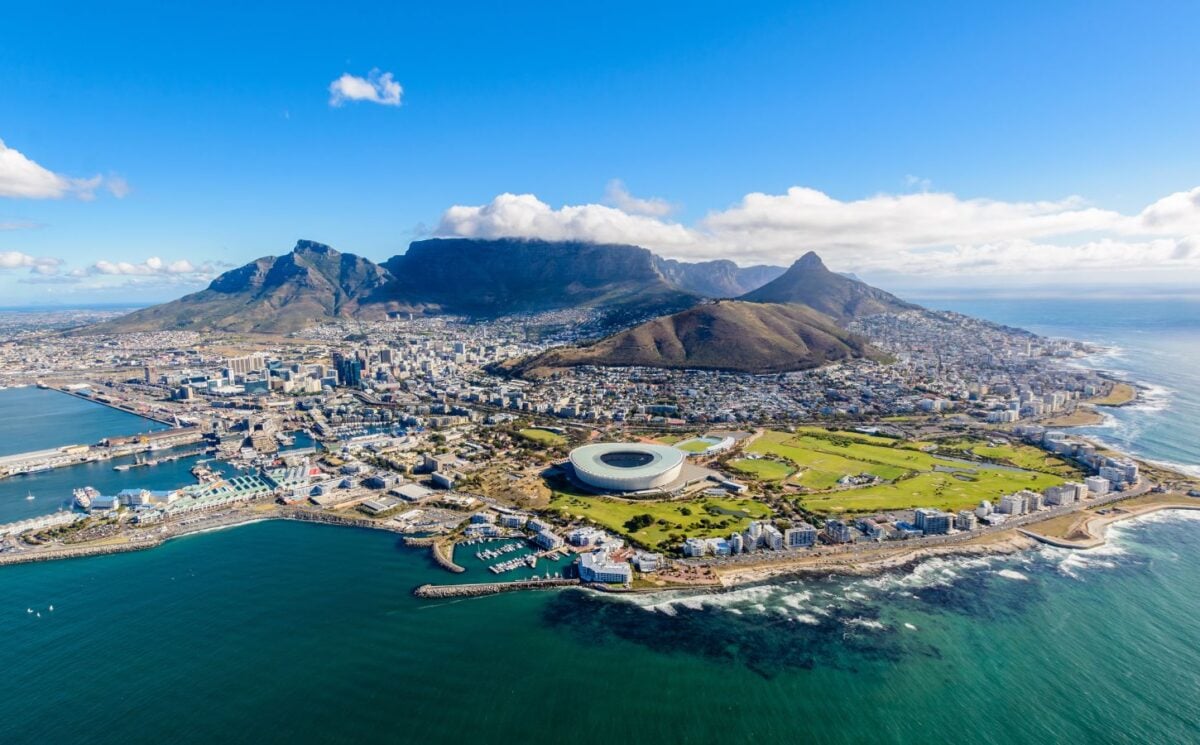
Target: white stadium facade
{"type": "Point", "coordinates": [627, 467]}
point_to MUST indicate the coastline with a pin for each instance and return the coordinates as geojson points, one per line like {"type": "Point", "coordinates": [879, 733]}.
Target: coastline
{"type": "Point", "coordinates": [1081, 530]}
{"type": "Point", "coordinates": [887, 558]}
{"type": "Point", "coordinates": [1088, 413]}
{"type": "Point", "coordinates": [107, 546]}
{"type": "Point", "coordinates": [1089, 529]}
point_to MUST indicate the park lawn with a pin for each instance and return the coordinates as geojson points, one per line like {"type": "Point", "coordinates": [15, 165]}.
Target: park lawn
{"type": "Point", "coordinates": [863, 437]}
{"type": "Point", "coordinates": [1029, 458]}
{"type": "Point", "coordinates": [542, 436]}
{"type": "Point", "coordinates": [930, 489]}
{"type": "Point", "coordinates": [820, 462]}
{"type": "Point", "coordinates": [762, 469]}
{"type": "Point", "coordinates": [694, 446]}
{"type": "Point", "coordinates": [614, 513]}
{"type": "Point", "coordinates": [901, 458]}
{"type": "Point", "coordinates": [848, 434]}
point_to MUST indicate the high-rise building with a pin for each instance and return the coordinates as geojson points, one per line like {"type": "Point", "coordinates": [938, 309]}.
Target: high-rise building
{"type": "Point", "coordinates": [349, 369]}
{"type": "Point", "coordinates": [248, 364]}
{"type": "Point", "coordinates": [838, 531]}
{"type": "Point", "coordinates": [801, 535]}
{"type": "Point", "coordinates": [932, 522]}
{"type": "Point", "coordinates": [965, 520]}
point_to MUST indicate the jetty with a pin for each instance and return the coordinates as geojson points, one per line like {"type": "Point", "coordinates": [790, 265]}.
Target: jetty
{"type": "Point", "coordinates": [490, 588]}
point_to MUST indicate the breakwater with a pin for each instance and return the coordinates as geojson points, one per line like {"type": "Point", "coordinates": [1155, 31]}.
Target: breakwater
{"type": "Point", "coordinates": [79, 552]}
{"type": "Point", "coordinates": [489, 588]}
{"type": "Point", "coordinates": [443, 554]}
{"type": "Point", "coordinates": [417, 541]}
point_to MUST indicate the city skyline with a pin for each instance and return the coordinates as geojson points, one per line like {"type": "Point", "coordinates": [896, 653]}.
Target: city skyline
{"type": "Point", "coordinates": [149, 151]}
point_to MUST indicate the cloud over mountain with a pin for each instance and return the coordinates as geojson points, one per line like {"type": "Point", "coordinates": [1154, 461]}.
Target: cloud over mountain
{"type": "Point", "coordinates": [921, 232]}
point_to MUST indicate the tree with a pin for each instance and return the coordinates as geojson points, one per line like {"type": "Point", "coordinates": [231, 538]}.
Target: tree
{"type": "Point", "coordinates": [637, 522]}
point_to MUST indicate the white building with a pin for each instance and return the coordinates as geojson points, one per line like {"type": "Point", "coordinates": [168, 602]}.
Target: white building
{"type": "Point", "coordinates": [600, 566]}
{"type": "Point", "coordinates": [1013, 504]}
{"type": "Point", "coordinates": [802, 535]}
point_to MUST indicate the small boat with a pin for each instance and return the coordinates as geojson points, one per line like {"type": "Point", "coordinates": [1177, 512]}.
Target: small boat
{"type": "Point", "coordinates": [29, 497]}
{"type": "Point", "coordinates": [52, 609]}
{"type": "Point", "coordinates": [29, 610]}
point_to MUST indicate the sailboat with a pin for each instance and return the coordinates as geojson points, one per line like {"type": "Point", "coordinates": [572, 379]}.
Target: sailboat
{"type": "Point", "coordinates": [29, 497]}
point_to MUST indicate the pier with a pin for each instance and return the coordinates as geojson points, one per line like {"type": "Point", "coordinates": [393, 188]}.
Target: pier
{"type": "Point", "coordinates": [73, 455]}
{"type": "Point", "coordinates": [113, 404]}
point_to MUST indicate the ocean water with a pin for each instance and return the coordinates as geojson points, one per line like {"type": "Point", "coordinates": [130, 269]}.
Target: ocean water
{"type": "Point", "coordinates": [298, 633]}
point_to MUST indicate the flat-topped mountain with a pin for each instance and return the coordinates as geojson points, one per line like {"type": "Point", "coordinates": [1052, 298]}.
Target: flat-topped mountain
{"type": "Point", "coordinates": [809, 282]}
{"type": "Point", "coordinates": [726, 335]}
{"type": "Point", "coordinates": [508, 275]}
{"type": "Point", "coordinates": [273, 294]}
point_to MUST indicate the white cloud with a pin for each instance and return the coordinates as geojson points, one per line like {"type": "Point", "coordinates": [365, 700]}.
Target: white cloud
{"type": "Point", "coordinates": [44, 265]}
{"type": "Point", "coordinates": [377, 87]}
{"type": "Point", "coordinates": [1175, 213]}
{"type": "Point", "coordinates": [917, 183]}
{"type": "Point", "coordinates": [151, 267]}
{"type": "Point", "coordinates": [618, 196]}
{"type": "Point", "coordinates": [526, 216]}
{"type": "Point", "coordinates": [23, 178]}
{"type": "Point", "coordinates": [914, 233]}
{"type": "Point", "coordinates": [117, 186]}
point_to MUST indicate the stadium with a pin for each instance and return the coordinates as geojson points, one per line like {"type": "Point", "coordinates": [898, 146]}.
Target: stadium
{"type": "Point", "coordinates": [627, 467]}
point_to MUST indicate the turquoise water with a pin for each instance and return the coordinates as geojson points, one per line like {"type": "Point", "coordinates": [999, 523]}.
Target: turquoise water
{"type": "Point", "coordinates": [285, 632]}
{"type": "Point", "coordinates": [298, 633]}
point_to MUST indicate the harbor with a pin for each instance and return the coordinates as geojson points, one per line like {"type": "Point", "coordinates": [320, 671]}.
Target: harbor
{"type": "Point", "coordinates": [513, 559]}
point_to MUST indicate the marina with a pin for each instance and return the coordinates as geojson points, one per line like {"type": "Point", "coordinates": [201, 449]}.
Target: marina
{"type": "Point", "coordinates": [512, 559]}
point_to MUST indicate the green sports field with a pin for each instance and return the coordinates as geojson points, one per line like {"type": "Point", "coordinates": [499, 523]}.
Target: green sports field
{"type": "Point", "coordinates": [542, 436]}
{"type": "Point", "coordinates": [762, 469]}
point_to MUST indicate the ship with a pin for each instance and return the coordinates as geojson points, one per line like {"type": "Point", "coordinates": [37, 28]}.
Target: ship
{"type": "Point", "coordinates": [84, 496]}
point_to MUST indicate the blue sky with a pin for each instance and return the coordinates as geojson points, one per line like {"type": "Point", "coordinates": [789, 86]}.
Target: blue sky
{"type": "Point", "coordinates": [944, 140]}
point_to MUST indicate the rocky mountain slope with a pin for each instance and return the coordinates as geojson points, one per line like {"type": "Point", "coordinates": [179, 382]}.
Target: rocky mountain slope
{"type": "Point", "coordinates": [809, 282]}
{"type": "Point", "coordinates": [726, 335]}
{"type": "Point", "coordinates": [273, 294]}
